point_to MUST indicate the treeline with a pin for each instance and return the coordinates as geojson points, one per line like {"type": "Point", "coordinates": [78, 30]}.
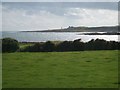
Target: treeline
{"type": "Point", "coordinates": [12, 45]}
{"type": "Point", "coordinates": [76, 45]}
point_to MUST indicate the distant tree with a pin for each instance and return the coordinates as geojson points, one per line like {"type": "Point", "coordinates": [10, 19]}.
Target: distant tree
{"type": "Point", "coordinates": [89, 45]}
{"type": "Point", "coordinates": [113, 45]}
{"type": "Point", "coordinates": [100, 44]}
{"type": "Point", "coordinates": [9, 45]}
{"type": "Point", "coordinates": [48, 46]}
{"type": "Point", "coordinates": [78, 45]}
{"type": "Point", "coordinates": [37, 47]}
{"type": "Point", "coordinates": [65, 46]}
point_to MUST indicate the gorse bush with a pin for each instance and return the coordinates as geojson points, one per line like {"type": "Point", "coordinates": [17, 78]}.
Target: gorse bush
{"type": "Point", "coordinates": [9, 45]}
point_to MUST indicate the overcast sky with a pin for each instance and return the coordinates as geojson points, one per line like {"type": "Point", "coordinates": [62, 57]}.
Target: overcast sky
{"type": "Point", "coordinates": [50, 15]}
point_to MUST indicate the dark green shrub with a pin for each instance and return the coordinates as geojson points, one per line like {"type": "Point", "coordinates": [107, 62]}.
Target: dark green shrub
{"type": "Point", "coordinates": [9, 45]}
{"type": "Point", "coordinates": [48, 46]}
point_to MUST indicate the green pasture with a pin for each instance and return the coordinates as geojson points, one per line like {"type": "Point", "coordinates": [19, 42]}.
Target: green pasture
{"type": "Point", "coordinates": [84, 69]}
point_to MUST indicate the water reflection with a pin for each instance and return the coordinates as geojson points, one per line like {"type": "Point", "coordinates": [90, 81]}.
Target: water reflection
{"type": "Point", "coordinates": [55, 36]}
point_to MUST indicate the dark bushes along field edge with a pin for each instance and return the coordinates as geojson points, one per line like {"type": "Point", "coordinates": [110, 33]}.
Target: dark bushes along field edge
{"type": "Point", "coordinates": [76, 45]}
{"type": "Point", "coordinates": [12, 45]}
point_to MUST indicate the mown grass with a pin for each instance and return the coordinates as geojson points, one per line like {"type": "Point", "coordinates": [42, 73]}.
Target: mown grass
{"type": "Point", "coordinates": [85, 69]}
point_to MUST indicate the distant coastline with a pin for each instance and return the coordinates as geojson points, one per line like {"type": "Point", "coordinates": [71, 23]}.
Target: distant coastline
{"type": "Point", "coordinates": [110, 29]}
{"type": "Point", "coordinates": [106, 33]}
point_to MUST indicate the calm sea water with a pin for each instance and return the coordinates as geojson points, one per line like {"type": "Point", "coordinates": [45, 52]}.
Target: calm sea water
{"type": "Point", "coordinates": [54, 36]}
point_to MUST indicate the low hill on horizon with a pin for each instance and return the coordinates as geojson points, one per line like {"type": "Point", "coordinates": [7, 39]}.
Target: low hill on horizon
{"type": "Point", "coordinates": [83, 29]}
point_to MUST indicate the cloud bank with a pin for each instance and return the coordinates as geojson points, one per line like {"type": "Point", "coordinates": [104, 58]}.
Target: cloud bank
{"type": "Point", "coordinates": [42, 16]}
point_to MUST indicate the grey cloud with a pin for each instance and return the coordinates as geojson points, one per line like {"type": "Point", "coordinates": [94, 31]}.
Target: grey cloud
{"type": "Point", "coordinates": [59, 7]}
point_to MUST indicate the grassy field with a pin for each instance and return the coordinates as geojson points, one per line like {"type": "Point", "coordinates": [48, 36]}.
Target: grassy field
{"type": "Point", "coordinates": [85, 69]}
{"type": "Point", "coordinates": [23, 45]}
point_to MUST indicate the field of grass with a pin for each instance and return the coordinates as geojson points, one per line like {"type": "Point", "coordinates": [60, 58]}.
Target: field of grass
{"type": "Point", "coordinates": [23, 45]}
{"type": "Point", "coordinates": [85, 69]}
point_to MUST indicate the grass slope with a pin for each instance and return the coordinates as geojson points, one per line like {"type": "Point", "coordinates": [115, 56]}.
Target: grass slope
{"type": "Point", "coordinates": [86, 69]}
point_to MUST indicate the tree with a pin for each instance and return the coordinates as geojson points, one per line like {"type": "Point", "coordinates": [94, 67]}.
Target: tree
{"type": "Point", "coordinates": [48, 46]}
{"type": "Point", "coordinates": [78, 45]}
{"type": "Point", "coordinates": [37, 47]}
{"type": "Point", "coordinates": [65, 46]}
{"type": "Point", "coordinates": [9, 45]}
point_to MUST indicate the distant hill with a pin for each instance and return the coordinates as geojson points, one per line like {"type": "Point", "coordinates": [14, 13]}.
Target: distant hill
{"type": "Point", "coordinates": [83, 29]}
